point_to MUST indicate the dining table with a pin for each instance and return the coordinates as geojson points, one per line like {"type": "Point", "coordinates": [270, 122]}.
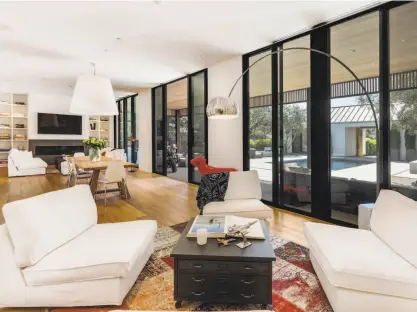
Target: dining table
{"type": "Point", "coordinates": [84, 163]}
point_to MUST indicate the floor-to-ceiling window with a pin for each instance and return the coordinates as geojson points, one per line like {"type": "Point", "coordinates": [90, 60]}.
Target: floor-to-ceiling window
{"type": "Point", "coordinates": [260, 120]}
{"type": "Point", "coordinates": [334, 149]}
{"type": "Point", "coordinates": [353, 129]}
{"type": "Point", "coordinates": [180, 126]}
{"type": "Point", "coordinates": [403, 98]}
{"type": "Point", "coordinates": [296, 168]}
{"type": "Point", "coordinates": [125, 127]}
{"type": "Point", "coordinates": [158, 133]}
{"type": "Point", "coordinates": [177, 129]}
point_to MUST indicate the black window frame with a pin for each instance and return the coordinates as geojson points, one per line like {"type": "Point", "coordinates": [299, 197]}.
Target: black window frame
{"type": "Point", "coordinates": [320, 127]}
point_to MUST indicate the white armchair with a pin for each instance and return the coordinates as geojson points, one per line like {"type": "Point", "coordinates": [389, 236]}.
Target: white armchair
{"type": "Point", "coordinates": [53, 252]}
{"type": "Point", "coordinates": [374, 270]}
{"type": "Point", "coordinates": [242, 198]}
{"type": "Point", "coordinates": [22, 163]}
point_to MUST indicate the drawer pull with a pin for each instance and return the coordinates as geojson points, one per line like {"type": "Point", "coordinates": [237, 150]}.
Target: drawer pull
{"type": "Point", "coordinates": [248, 267]}
{"type": "Point", "coordinates": [198, 266]}
{"type": "Point", "coordinates": [247, 282]}
{"type": "Point", "coordinates": [248, 297]}
{"type": "Point", "coordinates": [199, 280]}
{"type": "Point", "coordinates": [198, 294]}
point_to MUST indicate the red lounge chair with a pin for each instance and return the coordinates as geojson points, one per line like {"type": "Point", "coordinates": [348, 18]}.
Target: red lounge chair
{"type": "Point", "coordinates": [200, 163]}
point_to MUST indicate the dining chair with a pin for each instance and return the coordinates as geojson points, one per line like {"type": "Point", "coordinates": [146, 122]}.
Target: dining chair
{"type": "Point", "coordinates": [115, 173]}
{"type": "Point", "coordinates": [73, 172]}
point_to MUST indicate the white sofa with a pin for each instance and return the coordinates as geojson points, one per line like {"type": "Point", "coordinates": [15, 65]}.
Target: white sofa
{"type": "Point", "coordinates": [369, 270]}
{"type": "Point", "coordinates": [53, 252]}
{"type": "Point", "coordinates": [242, 198]}
{"type": "Point", "coordinates": [22, 163]}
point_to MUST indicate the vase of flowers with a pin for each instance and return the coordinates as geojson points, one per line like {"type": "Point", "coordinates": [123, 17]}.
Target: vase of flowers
{"type": "Point", "coordinates": [94, 146]}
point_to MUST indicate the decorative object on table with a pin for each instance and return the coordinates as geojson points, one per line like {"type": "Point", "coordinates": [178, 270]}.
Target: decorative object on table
{"type": "Point", "coordinates": [200, 163]}
{"type": "Point", "coordinates": [213, 187]}
{"type": "Point", "coordinates": [93, 95]}
{"type": "Point", "coordinates": [202, 236]}
{"type": "Point", "coordinates": [227, 226]}
{"type": "Point", "coordinates": [223, 275]}
{"type": "Point", "coordinates": [225, 241]}
{"type": "Point", "coordinates": [241, 230]}
{"type": "Point", "coordinates": [94, 146]}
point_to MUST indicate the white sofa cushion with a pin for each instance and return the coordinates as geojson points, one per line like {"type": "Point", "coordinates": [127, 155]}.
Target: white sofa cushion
{"type": "Point", "coordinates": [247, 208]}
{"type": "Point", "coordinates": [359, 260]}
{"type": "Point", "coordinates": [40, 224]}
{"type": "Point", "coordinates": [103, 251]}
{"type": "Point", "coordinates": [394, 220]}
{"type": "Point", "coordinates": [12, 285]}
{"type": "Point", "coordinates": [32, 163]}
{"type": "Point", "coordinates": [243, 185]}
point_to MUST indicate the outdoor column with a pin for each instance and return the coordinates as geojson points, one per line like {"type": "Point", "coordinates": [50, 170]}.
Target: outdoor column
{"type": "Point", "coordinates": [403, 149]}
{"type": "Point", "coordinates": [364, 142]}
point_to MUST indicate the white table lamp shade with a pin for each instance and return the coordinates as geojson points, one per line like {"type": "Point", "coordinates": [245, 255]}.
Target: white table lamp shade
{"type": "Point", "coordinates": [93, 95]}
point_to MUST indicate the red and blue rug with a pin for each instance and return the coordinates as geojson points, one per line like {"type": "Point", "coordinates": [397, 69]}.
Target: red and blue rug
{"type": "Point", "coordinates": [295, 285]}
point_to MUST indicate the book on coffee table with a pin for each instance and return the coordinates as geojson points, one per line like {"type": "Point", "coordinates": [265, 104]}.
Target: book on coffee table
{"type": "Point", "coordinates": [217, 226]}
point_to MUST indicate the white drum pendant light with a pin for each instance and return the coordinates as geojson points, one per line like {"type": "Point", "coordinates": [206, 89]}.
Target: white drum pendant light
{"type": "Point", "coordinates": [93, 95]}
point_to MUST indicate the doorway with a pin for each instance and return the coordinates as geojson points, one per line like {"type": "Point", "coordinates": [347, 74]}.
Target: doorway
{"type": "Point", "coordinates": [179, 126]}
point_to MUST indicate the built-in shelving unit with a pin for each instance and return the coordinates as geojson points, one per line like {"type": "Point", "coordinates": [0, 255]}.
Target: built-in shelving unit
{"type": "Point", "coordinates": [13, 124]}
{"type": "Point", "coordinates": [99, 127]}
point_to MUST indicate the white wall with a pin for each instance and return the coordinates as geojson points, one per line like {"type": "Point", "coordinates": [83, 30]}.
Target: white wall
{"type": "Point", "coordinates": [225, 137]}
{"type": "Point", "coordinates": [53, 104]}
{"type": "Point", "coordinates": [144, 129]}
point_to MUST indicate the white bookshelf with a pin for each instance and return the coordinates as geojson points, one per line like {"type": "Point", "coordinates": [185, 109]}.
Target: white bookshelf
{"type": "Point", "coordinates": [100, 128]}
{"type": "Point", "coordinates": [13, 124]}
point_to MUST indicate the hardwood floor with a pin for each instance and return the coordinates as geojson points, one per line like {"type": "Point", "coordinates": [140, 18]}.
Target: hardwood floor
{"type": "Point", "coordinates": [152, 197]}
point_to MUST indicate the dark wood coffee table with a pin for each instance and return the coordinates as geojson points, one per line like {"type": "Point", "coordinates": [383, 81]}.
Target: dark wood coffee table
{"type": "Point", "coordinates": [216, 274]}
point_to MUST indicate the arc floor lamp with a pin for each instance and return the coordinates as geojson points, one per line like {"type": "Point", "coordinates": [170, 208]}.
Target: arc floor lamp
{"type": "Point", "coordinates": [225, 108]}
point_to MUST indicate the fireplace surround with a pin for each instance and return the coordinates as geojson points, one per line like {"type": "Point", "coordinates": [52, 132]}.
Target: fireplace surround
{"type": "Point", "coordinates": [48, 150]}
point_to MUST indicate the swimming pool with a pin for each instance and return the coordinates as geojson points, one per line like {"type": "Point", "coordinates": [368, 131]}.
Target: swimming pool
{"type": "Point", "coordinates": [337, 164]}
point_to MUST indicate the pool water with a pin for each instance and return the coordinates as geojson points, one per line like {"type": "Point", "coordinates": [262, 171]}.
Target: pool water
{"type": "Point", "coordinates": [337, 164]}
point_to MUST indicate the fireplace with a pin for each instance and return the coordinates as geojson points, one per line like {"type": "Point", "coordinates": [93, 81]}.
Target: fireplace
{"type": "Point", "coordinates": [49, 150]}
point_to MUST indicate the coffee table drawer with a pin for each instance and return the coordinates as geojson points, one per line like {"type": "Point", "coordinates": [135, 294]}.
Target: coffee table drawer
{"type": "Point", "coordinates": [223, 266]}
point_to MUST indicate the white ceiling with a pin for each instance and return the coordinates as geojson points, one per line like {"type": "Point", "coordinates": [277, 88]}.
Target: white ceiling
{"type": "Point", "coordinates": [46, 45]}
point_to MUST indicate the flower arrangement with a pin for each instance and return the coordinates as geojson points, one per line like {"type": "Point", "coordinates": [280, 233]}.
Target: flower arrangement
{"type": "Point", "coordinates": [94, 145]}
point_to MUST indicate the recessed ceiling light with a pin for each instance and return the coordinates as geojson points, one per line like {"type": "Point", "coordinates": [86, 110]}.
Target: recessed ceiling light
{"type": "Point", "coordinates": [118, 38]}
{"type": "Point", "coordinates": [105, 50]}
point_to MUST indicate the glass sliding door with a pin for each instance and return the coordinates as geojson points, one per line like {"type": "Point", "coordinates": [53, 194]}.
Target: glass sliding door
{"type": "Point", "coordinates": [403, 98]}
{"type": "Point", "coordinates": [296, 167]}
{"type": "Point", "coordinates": [159, 132]}
{"type": "Point", "coordinates": [260, 121]}
{"type": "Point", "coordinates": [180, 126]}
{"type": "Point", "coordinates": [197, 122]}
{"type": "Point", "coordinates": [352, 125]}
{"type": "Point", "coordinates": [125, 127]}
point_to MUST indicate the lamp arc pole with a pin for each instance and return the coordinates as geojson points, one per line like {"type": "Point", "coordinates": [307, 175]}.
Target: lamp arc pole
{"type": "Point", "coordinates": [379, 134]}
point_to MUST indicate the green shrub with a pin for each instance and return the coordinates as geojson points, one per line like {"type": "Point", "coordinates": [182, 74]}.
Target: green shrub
{"type": "Point", "coordinates": [260, 144]}
{"type": "Point", "coordinates": [370, 147]}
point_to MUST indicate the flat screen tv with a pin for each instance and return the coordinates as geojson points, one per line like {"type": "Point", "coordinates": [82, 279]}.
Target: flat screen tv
{"type": "Point", "coordinates": [59, 124]}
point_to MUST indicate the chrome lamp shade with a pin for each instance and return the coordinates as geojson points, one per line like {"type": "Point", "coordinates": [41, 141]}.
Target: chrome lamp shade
{"type": "Point", "coordinates": [222, 108]}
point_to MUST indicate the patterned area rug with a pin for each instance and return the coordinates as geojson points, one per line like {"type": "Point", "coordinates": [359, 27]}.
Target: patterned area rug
{"type": "Point", "coordinates": [295, 285]}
